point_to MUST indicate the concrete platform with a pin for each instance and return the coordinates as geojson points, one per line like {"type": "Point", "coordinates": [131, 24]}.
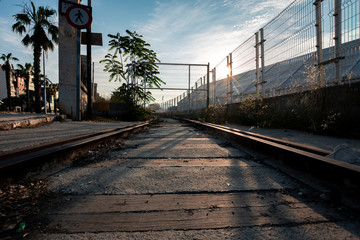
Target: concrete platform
{"type": "Point", "coordinates": [9, 121]}
{"type": "Point", "coordinates": [22, 132]}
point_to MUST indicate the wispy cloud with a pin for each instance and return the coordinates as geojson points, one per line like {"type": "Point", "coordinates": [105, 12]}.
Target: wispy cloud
{"type": "Point", "coordinates": [198, 31]}
{"type": "Point", "coordinates": [11, 42]}
{"type": "Point", "coordinates": [9, 39]}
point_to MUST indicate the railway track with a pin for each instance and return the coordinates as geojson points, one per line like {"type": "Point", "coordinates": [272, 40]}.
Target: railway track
{"type": "Point", "coordinates": [64, 150]}
{"type": "Point", "coordinates": [178, 182]}
{"type": "Point", "coordinates": [307, 163]}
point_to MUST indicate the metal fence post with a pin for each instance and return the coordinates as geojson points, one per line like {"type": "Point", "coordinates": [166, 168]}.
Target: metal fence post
{"type": "Point", "coordinates": [228, 81]}
{"type": "Point", "coordinates": [231, 78]}
{"type": "Point", "coordinates": [189, 91]}
{"type": "Point", "coordinates": [262, 40]}
{"type": "Point", "coordinates": [208, 86]}
{"type": "Point", "coordinates": [337, 38]}
{"type": "Point", "coordinates": [319, 45]}
{"type": "Point", "coordinates": [214, 81]}
{"type": "Point", "coordinates": [192, 99]}
{"type": "Point", "coordinates": [257, 63]}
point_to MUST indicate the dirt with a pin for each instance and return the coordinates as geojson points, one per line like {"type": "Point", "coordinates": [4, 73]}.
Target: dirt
{"type": "Point", "coordinates": [20, 203]}
{"type": "Point", "coordinates": [22, 200]}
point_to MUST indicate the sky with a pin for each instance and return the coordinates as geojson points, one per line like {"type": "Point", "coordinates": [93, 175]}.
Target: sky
{"type": "Point", "coordinates": [179, 31]}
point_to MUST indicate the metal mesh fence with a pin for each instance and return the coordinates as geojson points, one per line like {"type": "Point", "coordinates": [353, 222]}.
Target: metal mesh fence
{"type": "Point", "coordinates": [297, 50]}
{"type": "Point", "coordinates": [185, 86]}
{"type": "Point", "coordinates": [310, 44]}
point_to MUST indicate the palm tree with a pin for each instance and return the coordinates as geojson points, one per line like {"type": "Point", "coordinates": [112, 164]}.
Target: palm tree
{"type": "Point", "coordinates": [7, 68]}
{"type": "Point", "coordinates": [26, 72]}
{"type": "Point", "coordinates": [41, 34]}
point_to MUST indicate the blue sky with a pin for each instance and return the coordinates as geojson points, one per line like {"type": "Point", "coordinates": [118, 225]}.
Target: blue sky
{"type": "Point", "coordinates": [182, 31]}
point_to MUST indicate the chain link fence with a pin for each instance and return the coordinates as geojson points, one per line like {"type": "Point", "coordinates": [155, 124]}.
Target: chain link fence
{"type": "Point", "coordinates": [310, 44]}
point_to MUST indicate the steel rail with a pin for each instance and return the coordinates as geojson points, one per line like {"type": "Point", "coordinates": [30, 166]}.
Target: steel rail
{"type": "Point", "coordinates": [311, 149]}
{"type": "Point", "coordinates": [32, 156]}
{"type": "Point", "coordinates": [308, 164]}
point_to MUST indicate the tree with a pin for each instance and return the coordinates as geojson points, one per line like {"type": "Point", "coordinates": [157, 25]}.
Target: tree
{"type": "Point", "coordinates": [25, 72]}
{"type": "Point", "coordinates": [154, 107]}
{"type": "Point", "coordinates": [139, 72]}
{"type": "Point", "coordinates": [41, 34]}
{"type": "Point", "coordinates": [7, 68]}
{"type": "Point", "coordinates": [51, 90]}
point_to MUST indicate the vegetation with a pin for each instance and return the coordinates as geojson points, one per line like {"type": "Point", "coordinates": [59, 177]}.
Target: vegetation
{"type": "Point", "coordinates": [41, 34]}
{"type": "Point", "coordinates": [25, 72]}
{"type": "Point", "coordinates": [131, 60]}
{"type": "Point", "coordinates": [329, 111]}
{"type": "Point", "coordinates": [7, 68]}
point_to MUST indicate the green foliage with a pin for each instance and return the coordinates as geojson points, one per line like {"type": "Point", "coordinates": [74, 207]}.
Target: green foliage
{"type": "Point", "coordinates": [16, 101]}
{"type": "Point", "coordinates": [132, 96]}
{"type": "Point", "coordinates": [140, 61]}
{"type": "Point", "coordinates": [40, 33]}
{"type": "Point", "coordinates": [131, 60]}
{"type": "Point", "coordinates": [59, 118]}
{"type": "Point", "coordinates": [25, 72]}
{"type": "Point", "coordinates": [214, 114]}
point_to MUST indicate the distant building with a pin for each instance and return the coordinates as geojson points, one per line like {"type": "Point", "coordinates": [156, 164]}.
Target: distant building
{"type": "Point", "coordinates": [17, 85]}
{"type": "Point", "coordinates": [3, 93]}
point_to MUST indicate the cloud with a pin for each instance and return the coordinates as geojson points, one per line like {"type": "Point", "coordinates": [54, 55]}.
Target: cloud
{"type": "Point", "coordinates": [204, 32]}
{"type": "Point", "coordinates": [11, 40]}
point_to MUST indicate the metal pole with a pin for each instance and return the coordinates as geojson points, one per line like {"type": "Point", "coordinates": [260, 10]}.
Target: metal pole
{"type": "Point", "coordinates": [257, 63]}
{"type": "Point", "coordinates": [227, 82]}
{"type": "Point", "coordinates": [208, 85]}
{"type": "Point", "coordinates": [262, 40]}
{"type": "Point", "coordinates": [319, 45]}
{"type": "Point", "coordinates": [214, 81]}
{"type": "Point", "coordinates": [231, 78]}
{"type": "Point", "coordinates": [192, 98]}
{"type": "Point", "coordinates": [88, 68]}
{"type": "Point", "coordinates": [78, 115]}
{"type": "Point", "coordinates": [337, 38]}
{"type": "Point", "coordinates": [144, 80]}
{"type": "Point", "coordinates": [189, 91]}
{"type": "Point", "coordinates": [44, 83]}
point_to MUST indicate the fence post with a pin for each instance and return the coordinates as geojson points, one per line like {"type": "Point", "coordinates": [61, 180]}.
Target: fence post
{"type": "Point", "coordinates": [257, 64]}
{"type": "Point", "coordinates": [262, 40]}
{"type": "Point", "coordinates": [192, 98]}
{"type": "Point", "coordinates": [214, 81]}
{"type": "Point", "coordinates": [189, 92]}
{"type": "Point", "coordinates": [319, 45]}
{"type": "Point", "coordinates": [337, 38]}
{"type": "Point", "coordinates": [208, 86]}
{"type": "Point", "coordinates": [231, 78]}
{"type": "Point", "coordinates": [227, 82]}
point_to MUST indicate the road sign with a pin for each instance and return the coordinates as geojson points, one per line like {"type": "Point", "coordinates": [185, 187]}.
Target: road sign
{"type": "Point", "coordinates": [79, 16]}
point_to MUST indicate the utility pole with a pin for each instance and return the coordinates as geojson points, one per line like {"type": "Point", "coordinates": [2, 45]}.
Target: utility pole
{"type": "Point", "coordinates": [44, 83]}
{"type": "Point", "coordinates": [88, 68]}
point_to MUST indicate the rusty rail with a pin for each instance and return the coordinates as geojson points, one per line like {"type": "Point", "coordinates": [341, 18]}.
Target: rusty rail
{"type": "Point", "coordinates": [310, 165]}
{"type": "Point", "coordinates": [21, 160]}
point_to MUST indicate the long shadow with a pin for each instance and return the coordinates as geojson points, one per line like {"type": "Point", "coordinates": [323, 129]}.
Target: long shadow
{"type": "Point", "coordinates": [301, 196]}
{"type": "Point", "coordinates": [245, 179]}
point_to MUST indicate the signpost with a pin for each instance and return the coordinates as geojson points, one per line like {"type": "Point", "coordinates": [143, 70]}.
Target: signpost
{"type": "Point", "coordinates": [79, 17]}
